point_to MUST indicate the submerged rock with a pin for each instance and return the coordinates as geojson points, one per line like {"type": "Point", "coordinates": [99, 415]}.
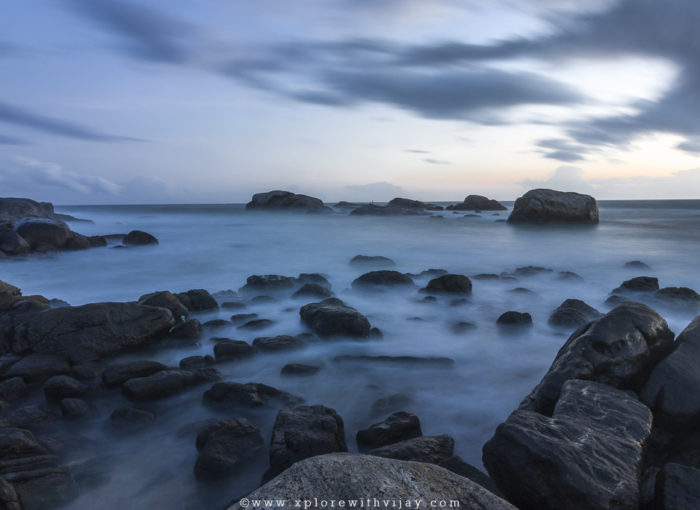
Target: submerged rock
{"type": "Point", "coordinates": [679, 295]}
{"type": "Point", "coordinates": [166, 299]}
{"type": "Point", "coordinates": [267, 283]}
{"type": "Point", "coordinates": [198, 300]}
{"type": "Point", "coordinates": [285, 200]}
{"type": "Point", "coordinates": [278, 343]}
{"type": "Point", "coordinates": [375, 280]}
{"type": "Point", "coordinates": [548, 206]}
{"type": "Point", "coordinates": [332, 317]}
{"type": "Point", "coordinates": [300, 369]}
{"type": "Point", "coordinates": [449, 284]}
{"type": "Point", "coordinates": [371, 260]}
{"type": "Point", "coordinates": [312, 290]}
{"type": "Point", "coordinates": [512, 318]}
{"type": "Point", "coordinates": [139, 238]}
{"type": "Point", "coordinates": [397, 427]}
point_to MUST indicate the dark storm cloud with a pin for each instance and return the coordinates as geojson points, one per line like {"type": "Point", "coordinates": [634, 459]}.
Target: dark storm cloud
{"type": "Point", "coordinates": [19, 117]}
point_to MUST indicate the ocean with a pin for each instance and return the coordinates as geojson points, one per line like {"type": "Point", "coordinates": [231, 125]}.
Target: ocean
{"type": "Point", "coordinates": [216, 247]}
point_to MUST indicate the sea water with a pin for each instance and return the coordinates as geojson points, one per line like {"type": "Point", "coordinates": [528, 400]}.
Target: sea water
{"type": "Point", "coordinates": [216, 247]}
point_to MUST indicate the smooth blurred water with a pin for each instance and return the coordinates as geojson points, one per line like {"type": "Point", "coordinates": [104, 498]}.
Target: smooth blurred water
{"type": "Point", "coordinates": [217, 247]}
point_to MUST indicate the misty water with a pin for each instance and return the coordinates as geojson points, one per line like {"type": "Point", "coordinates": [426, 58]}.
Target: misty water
{"type": "Point", "coordinates": [218, 247]}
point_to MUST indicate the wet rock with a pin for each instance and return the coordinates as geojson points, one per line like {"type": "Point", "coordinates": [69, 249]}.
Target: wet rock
{"type": "Point", "coordinates": [378, 210]}
{"type": "Point", "coordinates": [458, 466]}
{"type": "Point", "coordinates": [371, 260]}
{"type": "Point", "coordinates": [166, 299]}
{"type": "Point", "coordinates": [118, 374]}
{"type": "Point", "coordinates": [249, 395]}
{"type": "Point", "coordinates": [639, 284]}
{"type": "Point", "coordinates": [677, 488]}
{"type": "Point", "coordinates": [226, 446]}
{"type": "Point", "coordinates": [312, 290]}
{"type": "Point", "coordinates": [573, 313]}
{"type": "Point", "coordinates": [587, 455]}
{"type": "Point", "coordinates": [392, 403]}
{"type": "Point", "coordinates": [259, 300]}
{"type": "Point", "coordinates": [192, 362]}
{"type": "Point", "coordinates": [378, 279]}
{"type": "Point", "coordinates": [59, 387]}
{"type": "Point", "coordinates": [616, 299]}
{"type": "Point", "coordinates": [189, 330]}
{"type": "Point", "coordinates": [671, 390]}
{"type": "Point", "coordinates": [74, 408]}
{"type": "Point", "coordinates": [619, 349]}
{"type": "Point", "coordinates": [449, 284]}
{"type": "Point", "coordinates": [397, 427]}
{"type": "Point", "coordinates": [332, 317]}
{"type": "Point", "coordinates": [268, 283]}
{"type": "Point", "coordinates": [679, 295]}
{"type": "Point", "coordinates": [139, 238]}
{"type": "Point", "coordinates": [215, 324]}
{"type": "Point", "coordinates": [339, 475]}
{"type": "Point", "coordinates": [428, 361]}
{"type": "Point", "coordinates": [38, 367]}
{"type": "Point", "coordinates": [198, 300]}
{"type": "Point", "coordinates": [226, 349]}
{"type": "Point", "coordinates": [513, 318]}
{"type": "Point", "coordinates": [299, 370]}
{"type": "Point", "coordinates": [256, 324]}
{"type": "Point", "coordinates": [477, 203]}
{"type": "Point", "coordinates": [240, 318]}
{"type": "Point", "coordinates": [549, 206]}
{"type": "Point", "coordinates": [303, 432]}
{"type": "Point", "coordinates": [316, 278]}
{"type": "Point", "coordinates": [523, 291]}
{"type": "Point", "coordinates": [160, 385]}
{"type": "Point", "coordinates": [13, 389]}
{"type": "Point", "coordinates": [376, 333]}
{"type": "Point", "coordinates": [430, 449]}
{"type": "Point", "coordinates": [278, 343]}
{"type": "Point", "coordinates": [131, 418]}
{"type": "Point", "coordinates": [42, 233]}
{"type": "Point", "coordinates": [286, 201]}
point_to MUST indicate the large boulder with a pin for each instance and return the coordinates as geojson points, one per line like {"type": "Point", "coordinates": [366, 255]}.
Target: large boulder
{"type": "Point", "coordinates": [225, 446]}
{"type": "Point", "coordinates": [226, 349]}
{"type": "Point", "coordinates": [587, 455]}
{"type": "Point", "coordinates": [303, 432]}
{"type": "Point", "coordinates": [379, 279]}
{"type": "Point", "coordinates": [573, 313]}
{"type": "Point", "coordinates": [619, 349]}
{"type": "Point", "coordinates": [345, 476]}
{"type": "Point", "coordinates": [672, 389]}
{"type": "Point", "coordinates": [332, 317]}
{"type": "Point", "coordinates": [268, 283]}
{"type": "Point", "coordinates": [198, 300]}
{"type": "Point", "coordinates": [42, 233]}
{"type": "Point", "coordinates": [477, 203]}
{"type": "Point", "coordinates": [449, 284]}
{"type": "Point", "coordinates": [546, 205]}
{"type": "Point", "coordinates": [639, 284]}
{"type": "Point", "coordinates": [371, 260]}
{"type": "Point", "coordinates": [14, 209]}
{"type": "Point", "coordinates": [91, 331]}
{"type": "Point", "coordinates": [285, 200]}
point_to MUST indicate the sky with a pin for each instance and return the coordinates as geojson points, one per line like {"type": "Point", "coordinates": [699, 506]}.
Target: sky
{"type": "Point", "coordinates": [175, 101]}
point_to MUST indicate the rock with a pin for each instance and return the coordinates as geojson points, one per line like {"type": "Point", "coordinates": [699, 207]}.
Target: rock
{"type": "Point", "coordinates": [232, 305]}
{"type": "Point", "coordinates": [462, 327]}
{"type": "Point", "coordinates": [59, 387]}
{"type": "Point", "coordinates": [343, 476]}
{"type": "Point", "coordinates": [215, 324]}
{"type": "Point", "coordinates": [12, 243]}
{"type": "Point", "coordinates": [316, 278]}
{"type": "Point", "coordinates": [139, 238]}
{"type": "Point", "coordinates": [38, 367]}
{"type": "Point", "coordinates": [429, 361]}
{"type": "Point", "coordinates": [9, 500]}
{"type": "Point", "coordinates": [43, 232]}
{"type": "Point", "coordinates": [18, 442]}
{"type": "Point", "coordinates": [285, 200]}
{"type": "Point", "coordinates": [569, 276]}
{"type": "Point", "coordinates": [312, 290]}
{"type": "Point", "coordinates": [616, 299]}
{"type": "Point", "coordinates": [376, 333]}
{"type": "Point", "coordinates": [636, 264]}
{"type": "Point", "coordinates": [513, 318]}
{"type": "Point", "coordinates": [375, 280]}
{"type": "Point", "coordinates": [268, 283]}
{"type": "Point", "coordinates": [331, 317]}
{"type": "Point", "coordinates": [166, 299]}
{"type": "Point", "coordinates": [227, 349]}
{"type": "Point", "coordinates": [371, 260]}
{"type": "Point", "coordinates": [407, 203]}
{"type": "Point", "coordinates": [88, 370]}
{"type": "Point", "coordinates": [44, 489]}
{"type": "Point", "coordinates": [397, 427]}
{"type": "Point", "coordinates": [477, 203]}
{"type": "Point", "coordinates": [192, 362]}
{"type": "Point", "coordinates": [256, 324]}
{"type": "Point", "coordinates": [160, 385]}
{"type": "Point", "coordinates": [30, 416]}
{"type": "Point", "coordinates": [679, 295]}
{"type": "Point", "coordinates": [485, 276]}
{"type": "Point", "coordinates": [259, 300]}
{"type": "Point", "coordinates": [392, 403]}
{"type": "Point", "coordinates": [449, 284]}
{"type": "Point", "coordinates": [299, 369]}
{"type": "Point", "coordinates": [13, 389]}
{"type": "Point", "coordinates": [130, 418]}
{"type": "Point", "coordinates": [116, 375]}
{"type": "Point", "coordinates": [74, 408]}
{"type": "Point", "coordinates": [83, 333]}
{"type": "Point", "coordinates": [240, 318]}
{"type": "Point", "coordinates": [430, 449]}
{"type": "Point", "coordinates": [619, 349]}
{"type": "Point", "coordinates": [546, 205]}
{"type": "Point", "coordinates": [189, 330]}
{"type": "Point", "coordinates": [677, 488]}
{"type": "Point", "coordinates": [457, 465]}
{"type": "Point", "coordinates": [278, 343]}
{"type": "Point", "coordinates": [249, 395]}
{"type": "Point", "coordinates": [639, 284]}
{"type": "Point", "coordinates": [531, 270]}
{"type": "Point", "coordinates": [13, 209]}
{"type": "Point", "coordinates": [226, 446]}
{"type": "Point", "coordinates": [378, 210]}
{"type": "Point", "coordinates": [587, 455]}
{"type": "Point", "coordinates": [198, 300]}
{"type": "Point", "coordinates": [573, 313]}
{"type": "Point", "coordinates": [303, 432]}
{"type": "Point", "coordinates": [671, 390]}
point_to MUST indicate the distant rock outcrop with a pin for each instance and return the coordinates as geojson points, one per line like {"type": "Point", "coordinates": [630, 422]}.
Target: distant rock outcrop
{"type": "Point", "coordinates": [285, 200]}
{"type": "Point", "coordinates": [549, 206]}
{"type": "Point", "coordinates": [396, 207]}
{"type": "Point", "coordinates": [477, 203]}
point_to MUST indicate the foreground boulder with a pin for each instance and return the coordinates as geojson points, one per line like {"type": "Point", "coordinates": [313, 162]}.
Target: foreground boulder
{"type": "Point", "coordinates": [619, 349]}
{"type": "Point", "coordinates": [343, 476]}
{"type": "Point", "coordinates": [573, 313]}
{"type": "Point", "coordinates": [285, 200]}
{"type": "Point", "coordinates": [225, 446]}
{"type": "Point", "coordinates": [587, 455]}
{"type": "Point", "coordinates": [332, 317]}
{"type": "Point", "coordinates": [546, 205]}
{"type": "Point", "coordinates": [87, 332]}
{"type": "Point", "coordinates": [477, 203]}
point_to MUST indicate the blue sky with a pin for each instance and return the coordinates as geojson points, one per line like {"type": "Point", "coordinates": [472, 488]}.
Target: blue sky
{"type": "Point", "coordinates": [111, 101]}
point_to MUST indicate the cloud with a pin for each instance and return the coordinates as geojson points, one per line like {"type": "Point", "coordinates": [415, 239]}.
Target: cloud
{"type": "Point", "coordinates": [692, 146]}
{"type": "Point", "coordinates": [561, 150]}
{"type": "Point", "coordinates": [416, 151]}
{"type": "Point", "coordinates": [436, 161]}
{"type": "Point", "coordinates": [21, 117]}
{"type": "Point", "coordinates": [376, 191]}
{"type": "Point", "coordinates": [10, 140]}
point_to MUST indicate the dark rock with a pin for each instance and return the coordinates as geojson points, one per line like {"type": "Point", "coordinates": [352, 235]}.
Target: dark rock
{"type": "Point", "coordinates": [407, 203]}
{"type": "Point", "coordinates": [216, 324]}
{"type": "Point", "coordinates": [546, 205]}
{"type": "Point", "coordinates": [38, 232]}
{"type": "Point", "coordinates": [677, 488]}
{"type": "Point", "coordinates": [430, 361]}
{"type": "Point", "coordinates": [89, 370]}
{"type": "Point", "coordinates": [397, 427]}
{"type": "Point", "coordinates": [312, 290]}
{"type": "Point", "coordinates": [477, 203]}
{"type": "Point", "coordinates": [12, 243]}
{"type": "Point", "coordinates": [285, 200]}
{"type": "Point", "coordinates": [268, 283]}
{"type": "Point", "coordinates": [160, 385]}
{"type": "Point", "coordinates": [13, 389]}
{"type": "Point", "coordinates": [44, 489]}
{"type": "Point", "coordinates": [449, 284]}
{"type": "Point", "coordinates": [192, 362]}
{"type": "Point", "coordinates": [331, 317]}
{"type": "Point", "coordinates": [198, 300]}
{"type": "Point", "coordinates": [74, 408]}
{"type": "Point", "coordinates": [13, 209]}
{"type": "Point", "coordinates": [513, 318]}
{"type": "Point", "coordinates": [278, 343]}
{"type": "Point", "coordinates": [225, 446]}
{"type": "Point", "coordinates": [616, 299]}
{"type": "Point", "coordinates": [256, 324]}
{"type": "Point", "coordinates": [392, 403]}
{"type": "Point", "coordinates": [461, 327]}
{"type": "Point", "coordinates": [376, 333]}
{"type": "Point", "coordinates": [378, 210]}
{"type": "Point", "coordinates": [371, 260]}
{"type": "Point", "coordinates": [457, 465]}
{"type": "Point", "coordinates": [259, 300]}
{"type": "Point", "coordinates": [38, 367]}
{"type": "Point", "coordinates": [17, 442]}
{"type": "Point", "coordinates": [569, 276]}
{"type": "Point", "coordinates": [166, 299]}
{"type": "Point", "coordinates": [316, 278]}
{"type": "Point", "coordinates": [300, 369]}
{"type": "Point", "coordinates": [139, 238]}
{"type": "Point", "coordinates": [531, 270]}
{"type": "Point", "coordinates": [636, 264]}
{"type": "Point", "coordinates": [639, 284]}
{"type": "Point", "coordinates": [189, 330]}
{"type": "Point", "coordinates": [115, 375]}
{"type": "Point", "coordinates": [131, 418]}
{"type": "Point", "coordinates": [573, 313]}
{"type": "Point", "coordinates": [226, 349]}
{"type": "Point", "coordinates": [341, 476]}
{"type": "Point", "coordinates": [240, 318]}
{"type": "Point", "coordinates": [30, 417]}
{"type": "Point", "coordinates": [619, 349]}
{"type": "Point", "coordinates": [303, 432]}
{"type": "Point", "coordinates": [672, 388]}
{"type": "Point", "coordinates": [678, 295]}
{"type": "Point", "coordinates": [232, 305]}
{"type": "Point", "coordinates": [522, 291]}
{"type": "Point", "coordinates": [486, 276]}
{"type": "Point", "coordinates": [59, 387]}
{"type": "Point", "coordinates": [9, 500]}
{"type": "Point", "coordinates": [430, 449]}
{"type": "Point", "coordinates": [249, 395]}
{"type": "Point", "coordinates": [97, 241]}
{"type": "Point", "coordinates": [378, 279]}
{"type": "Point", "coordinates": [587, 455]}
